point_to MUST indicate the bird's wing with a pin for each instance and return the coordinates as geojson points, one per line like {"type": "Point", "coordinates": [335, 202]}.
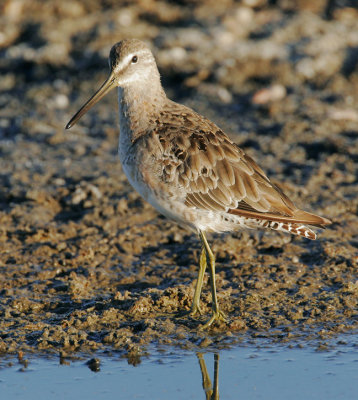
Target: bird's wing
{"type": "Point", "coordinates": [217, 175]}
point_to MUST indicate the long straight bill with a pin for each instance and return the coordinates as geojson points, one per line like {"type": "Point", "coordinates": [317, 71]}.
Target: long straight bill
{"type": "Point", "coordinates": [101, 92]}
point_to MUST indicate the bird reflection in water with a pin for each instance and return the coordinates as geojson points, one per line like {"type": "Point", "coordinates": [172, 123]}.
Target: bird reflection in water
{"type": "Point", "coordinates": [211, 391]}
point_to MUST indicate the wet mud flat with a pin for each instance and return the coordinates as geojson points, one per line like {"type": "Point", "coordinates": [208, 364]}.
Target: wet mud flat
{"type": "Point", "coordinates": [85, 264]}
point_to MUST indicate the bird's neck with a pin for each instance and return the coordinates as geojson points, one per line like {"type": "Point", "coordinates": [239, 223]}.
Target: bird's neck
{"type": "Point", "coordinates": [137, 107]}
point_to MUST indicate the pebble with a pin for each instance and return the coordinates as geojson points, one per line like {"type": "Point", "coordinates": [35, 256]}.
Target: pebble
{"type": "Point", "coordinates": [272, 93]}
{"type": "Point", "coordinates": [61, 101]}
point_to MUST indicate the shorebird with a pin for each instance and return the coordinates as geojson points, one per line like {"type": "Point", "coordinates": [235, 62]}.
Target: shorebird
{"type": "Point", "coordinates": [187, 167]}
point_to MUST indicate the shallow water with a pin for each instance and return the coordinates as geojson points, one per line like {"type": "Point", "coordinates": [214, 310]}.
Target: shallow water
{"type": "Point", "coordinates": [254, 371]}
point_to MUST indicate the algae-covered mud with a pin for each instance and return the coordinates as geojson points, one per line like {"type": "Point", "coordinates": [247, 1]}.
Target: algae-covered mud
{"type": "Point", "coordinates": [85, 263]}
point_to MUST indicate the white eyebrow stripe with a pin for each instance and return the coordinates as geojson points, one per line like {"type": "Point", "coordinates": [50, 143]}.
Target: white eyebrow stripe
{"type": "Point", "coordinates": [126, 60]}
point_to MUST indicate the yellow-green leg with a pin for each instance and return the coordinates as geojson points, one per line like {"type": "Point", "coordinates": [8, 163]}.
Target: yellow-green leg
{"type": "Point", "coordinates": [195, 308]}
{"type": "Point", "coordinates": [217, 314]}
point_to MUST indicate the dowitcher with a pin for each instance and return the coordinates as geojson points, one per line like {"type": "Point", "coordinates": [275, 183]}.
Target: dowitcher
{"type": "Point", "coordinates": [187, 167]}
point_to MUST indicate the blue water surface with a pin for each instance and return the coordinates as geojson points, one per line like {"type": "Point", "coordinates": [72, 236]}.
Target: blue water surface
{"type": "Point", "coordinates": [252, 371]}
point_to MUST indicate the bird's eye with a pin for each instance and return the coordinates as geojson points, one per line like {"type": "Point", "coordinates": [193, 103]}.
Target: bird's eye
{"type": "Point", "coordinates": [134, 59]}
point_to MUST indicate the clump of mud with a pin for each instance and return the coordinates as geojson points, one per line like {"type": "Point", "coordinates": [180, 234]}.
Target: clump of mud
{"type": "Point", "coordinates": [85, 263]}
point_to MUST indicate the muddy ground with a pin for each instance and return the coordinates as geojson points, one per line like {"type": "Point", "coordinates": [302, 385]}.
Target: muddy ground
{"type": "Point", "coordinates": [85, 263]}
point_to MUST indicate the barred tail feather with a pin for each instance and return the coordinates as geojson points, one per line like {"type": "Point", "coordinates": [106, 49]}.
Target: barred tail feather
{"type": "Point", "coordinates": [295, 224]}
{"type": "Point", "coordinates": [295, 229]}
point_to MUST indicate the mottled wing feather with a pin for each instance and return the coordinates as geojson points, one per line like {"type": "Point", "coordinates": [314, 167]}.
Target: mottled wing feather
{"type": "Point", "coordinates": [216, 174]}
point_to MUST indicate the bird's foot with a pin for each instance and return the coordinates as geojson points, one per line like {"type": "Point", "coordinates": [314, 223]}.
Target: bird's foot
{"type": "Point", "coordinates": [194, 312]}
{"type": "Point", "coordinates": [218, 316]}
